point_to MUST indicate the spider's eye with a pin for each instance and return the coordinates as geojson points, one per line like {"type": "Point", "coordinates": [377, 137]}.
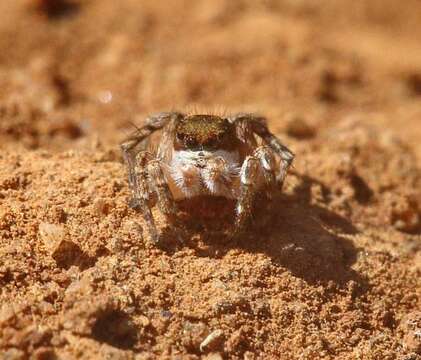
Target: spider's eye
{"type": "Point", "coordinates": [212, 142]}
{"type": "Point", "coordinates": [180, 136]}
{"type": "Point", "coordinates": [191, 142]}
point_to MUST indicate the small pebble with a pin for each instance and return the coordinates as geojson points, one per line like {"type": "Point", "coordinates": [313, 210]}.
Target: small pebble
{"type": "Point", "coordinates": [212, 340]}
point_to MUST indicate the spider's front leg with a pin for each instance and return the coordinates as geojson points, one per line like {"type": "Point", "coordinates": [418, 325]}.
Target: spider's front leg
{"type": "Point", "coordinates": [257, 125]}
{"type": "Point", "coordinates": [136, 160]}
{"type": "Point", "coordinates": [249, 175]}
{"type": "Point", "coordinates": [257, 173]}
{"type": "Point", "coordinates": [267, 164]}
{"type": "Point", "coordinates": [133, 146]}
{"type": "Point", "coordinates": [165, 200]}
{"type": "Point", "coordinates": [140, 199]}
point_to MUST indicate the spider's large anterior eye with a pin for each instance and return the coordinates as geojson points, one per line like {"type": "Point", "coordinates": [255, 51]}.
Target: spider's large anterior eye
{"type": "Point", "coordinates": [191, 142]}
{"type": "Point", "coordinates": [180, 136]}
{"type": "Point", "coordinates": [212, 143]}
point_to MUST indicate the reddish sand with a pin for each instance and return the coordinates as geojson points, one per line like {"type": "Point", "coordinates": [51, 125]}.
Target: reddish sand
{"type": "Point", "coordinates": [332, 271]}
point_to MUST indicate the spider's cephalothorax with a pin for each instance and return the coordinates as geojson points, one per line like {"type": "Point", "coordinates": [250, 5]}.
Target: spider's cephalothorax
{"type": "Point", "coordinates": [205, 132]}
{"type": "Point", "coordinates": [201, 156]}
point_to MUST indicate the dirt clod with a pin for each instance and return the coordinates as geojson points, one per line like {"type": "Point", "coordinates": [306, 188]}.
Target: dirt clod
{"type": "Point", "coordinates": [297, 127]}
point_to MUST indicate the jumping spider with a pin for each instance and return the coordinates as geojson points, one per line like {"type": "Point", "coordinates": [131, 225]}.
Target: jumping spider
{"type": "Point", "coordinates": [203, 155]}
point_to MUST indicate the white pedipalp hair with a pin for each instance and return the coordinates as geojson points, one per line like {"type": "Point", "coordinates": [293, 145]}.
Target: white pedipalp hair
{"type": "Point", "coordinates": [219, 181]}
{"type": "Point", "coordinates": [205, 172]}
{"type": "Point", "coordinates": [185, 175]}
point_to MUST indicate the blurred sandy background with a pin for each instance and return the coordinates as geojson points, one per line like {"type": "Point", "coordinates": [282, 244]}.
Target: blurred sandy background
{"type": "Point", "coordinates": [333, 273]}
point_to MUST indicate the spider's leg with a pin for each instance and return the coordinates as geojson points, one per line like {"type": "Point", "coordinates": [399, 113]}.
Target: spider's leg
{"type": "Point", "coordinates": [286, 155]}
{"type": "Point", "coordinates": [159, 184]}
{"type": "Point", "coordinates": [130, 147]}
{"type": "Point", "coordinates": [259, 127]}
{"type": "Point", "coordinates": [165, 200]}
{"type": "Point", "coordinates": [268, 167]}
{"type": "Point", "coordinates": [153, 123]}
{"type": "Point", "coordinates": [140, 200]}
{"type": "Point", "coordinates": [249, 175]}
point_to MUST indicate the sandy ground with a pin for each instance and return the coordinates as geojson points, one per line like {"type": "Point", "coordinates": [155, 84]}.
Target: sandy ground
{"type": "Point", "coordinates": [332, 271]}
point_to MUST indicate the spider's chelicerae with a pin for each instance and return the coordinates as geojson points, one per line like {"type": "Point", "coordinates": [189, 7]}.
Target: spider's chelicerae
{"type": "Point", "coordinates": [233, 157]}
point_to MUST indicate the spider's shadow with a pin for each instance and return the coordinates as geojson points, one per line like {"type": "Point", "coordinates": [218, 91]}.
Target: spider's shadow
{"type": "Point", "coordinates": [299, 236]}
